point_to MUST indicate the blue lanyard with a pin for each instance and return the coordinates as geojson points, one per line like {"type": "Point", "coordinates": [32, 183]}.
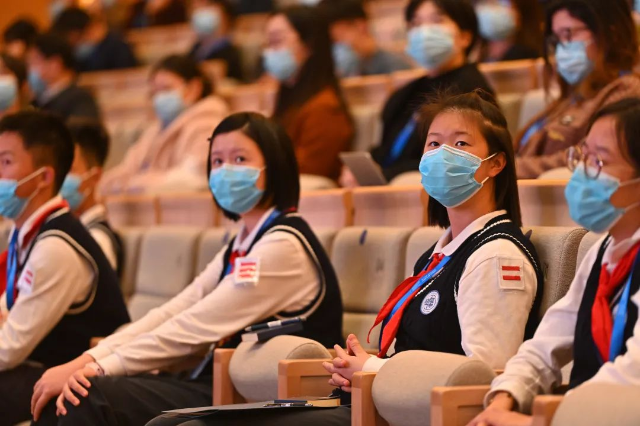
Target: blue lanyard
{"type": "Point", "coordinates": [401, 142]}
{"type": "Point", "coordinates": [12, 269]}
{"type": "Point", "coordinates": [620, 318]}
{"type": "Point", "coordinates": [274, 214]}
{"type": "Point", "coordinates": [426, 277]}
{"type": "Point", "coordinates": [534, 128]}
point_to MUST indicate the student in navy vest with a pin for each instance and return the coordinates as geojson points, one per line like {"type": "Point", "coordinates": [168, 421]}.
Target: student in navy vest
{"type": "Point", "coordinates": [79, 188]}
{"type": "Point", "coordinates": [58, 288]}
{"type": "Point", "coordinates": [472, 292]}
{"type": "Point", "coordinates": [596, 323]}
{"type": "Point", "coordinates": [274, 268]}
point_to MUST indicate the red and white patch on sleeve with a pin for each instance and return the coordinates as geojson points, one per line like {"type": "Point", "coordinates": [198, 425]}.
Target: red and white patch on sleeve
{"type": "Point", "coordinates": [511, 274]}
{"type": "Point", "coordinates": [246, 271]}
{"type": "Point", "coordinates": [26, 280]}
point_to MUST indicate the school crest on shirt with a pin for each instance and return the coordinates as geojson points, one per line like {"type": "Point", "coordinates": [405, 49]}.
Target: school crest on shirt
{"type": "Point", "coordinates": [430, 302]}
{"type": "Point", "coordinates": [246, 271]}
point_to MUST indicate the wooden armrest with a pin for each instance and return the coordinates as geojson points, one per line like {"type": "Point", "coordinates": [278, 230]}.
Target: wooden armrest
{"type": "Point", "coordinates": [456, 405]}
{"type": "Point", "coordinates": [94, 341]}
{"type": "Point", "coordinates": [224, 392]}
{"type": "Point", "coordinates": [363, 410]}
{"type": "Point", "coordinates": [544, 408]}
{"type": "Point", "coordinates": [303, 377]}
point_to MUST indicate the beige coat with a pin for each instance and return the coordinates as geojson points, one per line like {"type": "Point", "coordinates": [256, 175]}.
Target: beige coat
{"type": "Point", "coordinates": [170, 158]}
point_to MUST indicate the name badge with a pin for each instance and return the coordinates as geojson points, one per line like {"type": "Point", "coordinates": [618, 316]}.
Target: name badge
{"type": "Point", "coordinates": [246, 271]}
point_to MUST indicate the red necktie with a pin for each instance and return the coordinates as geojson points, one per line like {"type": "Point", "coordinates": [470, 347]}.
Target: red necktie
{"type": "Point", "coordinates": [391, 328]}
{"type": "Point", "coordinates": [601, 318]}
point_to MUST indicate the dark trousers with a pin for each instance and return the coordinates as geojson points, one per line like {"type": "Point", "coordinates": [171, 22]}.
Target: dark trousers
{"type": "Point", "coordinates": [340, 416]}
{"type": "Point", "coordinates": [130, 401]}
{"type": "Point", "coordinates": [16, 389]}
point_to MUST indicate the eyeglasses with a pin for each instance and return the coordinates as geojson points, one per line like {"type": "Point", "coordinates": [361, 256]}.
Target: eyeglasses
{"type": "Point", "coordinates": [564, 36]}
{"type": "Point", "coordinates": [580, 154]}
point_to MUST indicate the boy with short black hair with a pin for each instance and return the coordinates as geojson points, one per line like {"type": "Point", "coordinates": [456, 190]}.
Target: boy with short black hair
{"type": "Point", "coordinates": [79, 188]}
{"type": "Point", "coordinates": [59, 289]}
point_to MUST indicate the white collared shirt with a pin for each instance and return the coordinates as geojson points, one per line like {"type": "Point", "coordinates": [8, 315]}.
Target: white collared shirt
{"type": "Point", "coordinates": [492, 312]}
{"type": "Point", "coordinates": [98, 213]}
{"type": "Point", "coordinates": [54, 278]}
{"type": "Point", "coordinates": [536, 368]}
{"type": "Point", "coordinates": [209, 309]}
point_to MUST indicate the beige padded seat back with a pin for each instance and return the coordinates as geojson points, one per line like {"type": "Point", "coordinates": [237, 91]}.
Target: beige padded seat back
{"type": "Point", "coordinates": [599, 404]}
{"type": "Point", "coordinates": [166, 267]}
{"type": "Point", "coordinates": [211, 242]}
{"type": "Point", "coordinates": [389, 206]}
{"type": "Point", "coordinates": [326, 236]}
{"type": "Point", "coordinates": [558, 250]}
{"type": "Point", "coordinates": [543, 203]}
{"type": "Point", "coordinates": [254, 366]}
{"type": "Point", "coordinates": [402, 387]}
{"type": "Point", "coordinates": [369, 263]}
{"type": "Point", "coordinates": [419, 242]}
{"type": "Point", "coordinates": [326, 209]}
{"type": "Point", "coordinates": [585, 245]}
{"type": "Point", "coordinates": [131, 238]}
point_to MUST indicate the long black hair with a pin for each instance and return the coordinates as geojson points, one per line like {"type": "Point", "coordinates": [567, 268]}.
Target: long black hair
{"type": "Point", "coordinates": [187, 69]}
{"type": "Point", "coordinates": [482, 108]}
{"type": "Point", "coordinates": [282, 189]}
{"type": "Point", "coordinates": [318, 72]}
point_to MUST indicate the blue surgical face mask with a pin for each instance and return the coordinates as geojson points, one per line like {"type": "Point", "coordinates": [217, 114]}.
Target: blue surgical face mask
{"type": "Point", "coordinates": [573, 62]}
{"type": "Point", "coordinates": [448, 175]}
{"type": "Point", "coordinates": [84, 50]}
{"type": "Point", "coordinates": [234, 187]}
{"type": "Point", "coordinates": [36, 83]}
{"type": "Point", "coordinates": [12, 206]}
{"type": "Point", "coordinates": [70, 191]}
{"type": "Point", "coordinates": [496, 22]}
{"type": "Point", "coordinates": [636, 5]}
{"type": "Point", "coordinates": [168, 105]}
{"type": "Point", "coordinates": [346, 59]}
{"type": "Point", "coordinates": [280, 63]}
{"type": "Point", "coordinates": [8, 92]}
{"type": "Point", "coordinates": [430, 45]}
{"type": "Point", "coordinates": [309, 2]}
{"type": "Point", "coordinates": [56, 8]}
{"type": "Point", "coordinates": [205, 22]}
{"type": "Point", "coordinates": [590, 200]}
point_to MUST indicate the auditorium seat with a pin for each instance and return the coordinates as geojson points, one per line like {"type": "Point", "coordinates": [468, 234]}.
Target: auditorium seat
{"type": "Point", "coordinates": [316, 183]}
{"type": "Point", "coordinates": [326, 238]}
{"type": "Point", "coordinates": [407, 179]}
{"type": "Point", "coordinates": [534, 102]}
{"type": "Point", "coordinates": [389, 206]}
{"type": "Point", "coordinates": [131, 238]}
{"type": "Point", "coordinates": [194, 209]}
{"type": "Point", "coordinates": [132, 210]}
{"type": "Point", "coordinates": [250, 372]}
{"type": "Point", "coordinates": [402, 78]}
{"type": "Point", "coordinates": [368, 123]}
{"type": "Point", "coordinates": [248, 97]}
{"type": "Point", "coordinates": [331, 209]}
{"type": "Point", "coordinates": [211, 242]}
{"type": "Point", "coordinates": [419, 242]}
{"type": "Point", "coordinates": [511, 76]}
{"type": "Point", "coordinates": [543, 203]}
{"type": "Point", "coordinates": [369, 263]}
{"type": "Point", "coordinates": [162, 272]}
{"type": "Point", "coordinates": [366, 90]}
{"type": "Point", "coordinates": [153, 43]}
{"type": "Point", "coordinates": [587, 242]}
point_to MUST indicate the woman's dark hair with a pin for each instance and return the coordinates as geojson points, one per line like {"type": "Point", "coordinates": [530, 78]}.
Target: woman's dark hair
{"type": "Point", "coordinates": [15, 67]}
{"type": "Point", "coordinates": [460, 11]}
{"type": "Point", "coordinates": [483, 108]}
{"type": "Point", "coordinates": [187, 69]}
{"type": "Point", "coordinates": [24, 30]}
{"type": "Point", "coordinates": [626, 113]}
{"type": "Point", "coordinates": [282, 188]}
{"type": "Point", "coordinates": [615, 34]}
{"type": "Point", "coordinates": [317, 73]}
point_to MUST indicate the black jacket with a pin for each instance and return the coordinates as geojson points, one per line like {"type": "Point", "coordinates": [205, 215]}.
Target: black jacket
{"type": "Point", "coordinates": [225, 51]}
{"type": "Point", "coordinates": [112, 53]}
{"type": "Point", "coordinates": [405, 101]}
{"type": "Point", "coordinates": [73, 101]}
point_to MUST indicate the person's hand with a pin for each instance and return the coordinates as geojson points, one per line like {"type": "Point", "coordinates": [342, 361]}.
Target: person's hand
{"type": "Point", "coordinates": [498, 417]}
{"type": "Point", "coordinates": [52, 382]}
{"type": "Point", "coordinates": [78, 382]}
{"type": "Point", "coordinates": [347, 179]}
{"type": "Point", "coordinates": [346, 364]}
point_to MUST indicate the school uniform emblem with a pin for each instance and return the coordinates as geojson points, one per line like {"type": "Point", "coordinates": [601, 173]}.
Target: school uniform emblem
{"type": "Point", "coordinates": [246, 271]}
{"type": "Point", "coordinates": [430, 302]}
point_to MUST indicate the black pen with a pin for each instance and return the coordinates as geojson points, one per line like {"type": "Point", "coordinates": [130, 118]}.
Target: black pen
{"type": "Point", "coordinates": [272, 324]}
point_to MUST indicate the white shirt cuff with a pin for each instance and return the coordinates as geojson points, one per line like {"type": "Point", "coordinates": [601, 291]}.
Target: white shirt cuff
{"type": "Point", "coordinates": [99, 352]}
{"type": "Point", "coordinates": [373, 364]}
{"type": "Point", "coordinates": [521, 396]}
{"type": "Point", "coordinates": [112, 366]}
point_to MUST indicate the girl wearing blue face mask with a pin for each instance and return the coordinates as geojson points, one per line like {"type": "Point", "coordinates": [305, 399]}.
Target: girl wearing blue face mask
{"type": "Point", "coordinates": [596, 324]}
{"type": "Point", "coordinates": [510, 30]}
{"type": "Point", "coordinates": [309, 103]}
{"type": "Point", "coordinates": [481, 279]}
{"type": "Point", "coordinates": [591, 52]}
{"type": "Point", "coordinates": [13, 77]}
{"type": "Point", "coordinates": [274, 268]}
{"type": "Point", "coordinates": [442, 34]}
{"type": "Point", "coordinates": [169, 153]}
